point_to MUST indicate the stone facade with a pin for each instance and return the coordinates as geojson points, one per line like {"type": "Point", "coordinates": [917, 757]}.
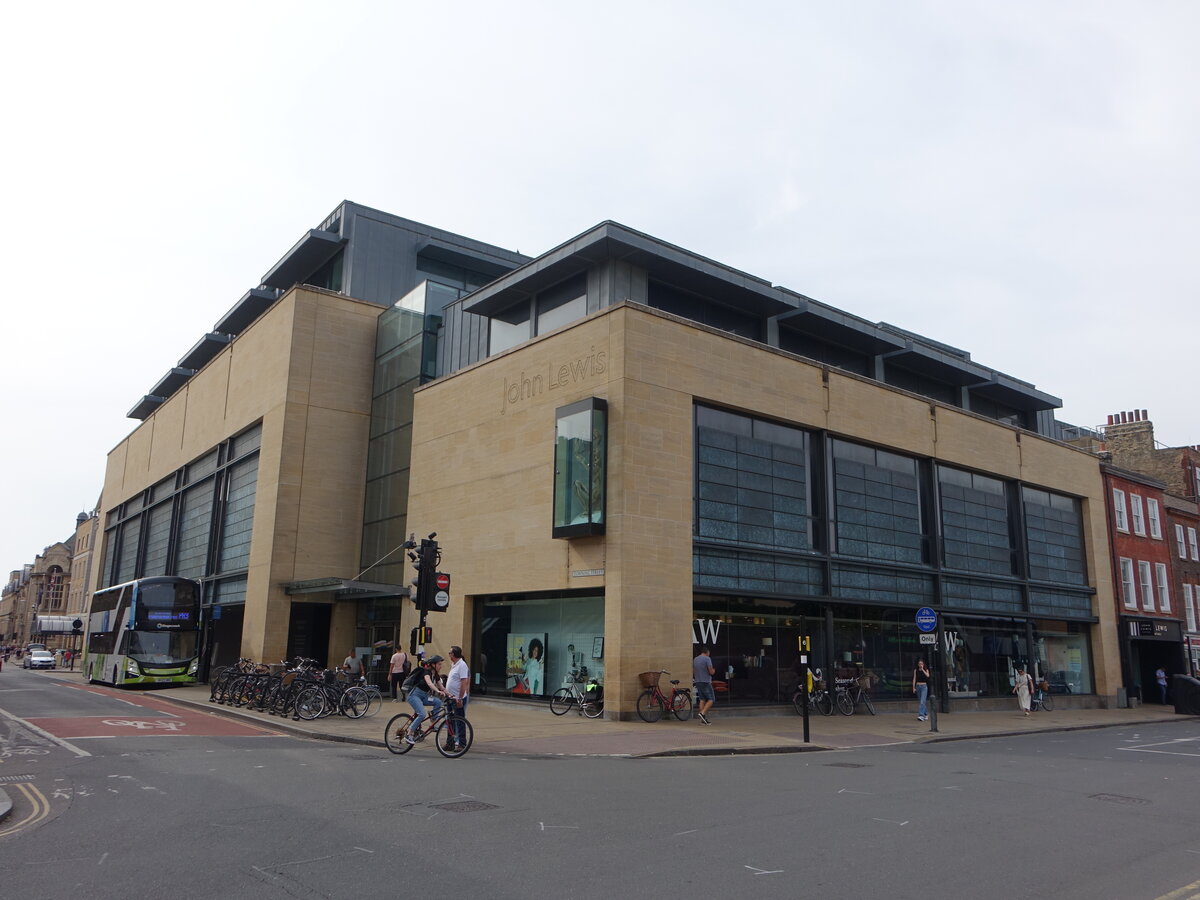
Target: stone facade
{"type": "Point", "coordinates": [303, 371]}
{"type": "Point", "coordinates": [482, 477]}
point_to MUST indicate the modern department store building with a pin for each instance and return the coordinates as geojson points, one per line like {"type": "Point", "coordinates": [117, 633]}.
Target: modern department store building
{"type": "Point", "coordinates": [625, 449]}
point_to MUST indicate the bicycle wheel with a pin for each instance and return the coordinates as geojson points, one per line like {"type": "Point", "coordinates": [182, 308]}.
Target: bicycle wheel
{"type": "Point", "coordinates": [593, 707]}
{"type": "Point", "coordinates": [446, 736]}
{"type": "Point", "coordinates": [562, 701]}
{"type": "Point", "coordinates": [681, 705]}
{"type": "Point", "coordinates": [823, 703]}
{"type": "Point", "coordinates": [649, 706]}
{"type": "Point", "coordinates": [354, 703]}
{"type": "Point", "coordinates": [218, 678]}
{"type": "Point", "coordinates": [393, 735]}
{"type": "Point", "coordinates": [869, 704]}
{"type": "Point", "coordinates": [1047, 703]}
{"type": "Point", "coordinates": [374, 702]}
{"type": "Point", "coordinates": [310, 703]}
{"type": "Point", "coordinates": [844, 704]}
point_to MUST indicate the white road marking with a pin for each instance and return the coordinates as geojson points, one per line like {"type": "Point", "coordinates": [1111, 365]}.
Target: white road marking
{"type": "Point", "coordinates": [848, 791]}
{"type": "Point", "coordinates": [892, 821]}
{"type": "Point", "coordinates": [102, 859]}
{"type": "Point", "coordinates": [47, 735]}
{"type": "Point", "coordinates": [691, 831]}
{"type": "Point", "coordinates": [1147, 748]}
{"type": "Point", "coordinates": [764, 871]}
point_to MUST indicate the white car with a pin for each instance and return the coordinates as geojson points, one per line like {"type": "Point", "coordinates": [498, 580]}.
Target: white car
{"type": "Point", "coordinates": [38, 659]}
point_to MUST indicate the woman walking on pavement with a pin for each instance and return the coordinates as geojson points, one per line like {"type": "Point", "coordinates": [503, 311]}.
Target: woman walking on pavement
{"type": "Point", "coordinates": [1023, 689]}
{"type": "Point", "coordinates": [921, 689]}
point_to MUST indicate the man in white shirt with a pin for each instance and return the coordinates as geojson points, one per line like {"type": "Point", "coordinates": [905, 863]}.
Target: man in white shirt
{"type": "Point", "coordinates": [458, 687]}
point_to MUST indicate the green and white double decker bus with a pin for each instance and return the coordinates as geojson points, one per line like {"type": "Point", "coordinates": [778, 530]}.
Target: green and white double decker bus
{"type": "Point", "coordinates": [144, 632]}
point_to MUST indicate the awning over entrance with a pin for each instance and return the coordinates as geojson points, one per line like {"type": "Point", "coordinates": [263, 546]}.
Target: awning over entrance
{"type": "Point", "coordinates": [58, 624]}
{"type": "Point", "coordinates": [346, 588]}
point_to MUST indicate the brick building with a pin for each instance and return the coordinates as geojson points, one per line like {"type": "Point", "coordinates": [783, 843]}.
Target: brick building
{"type": "Point", "coordinates": [1183, 536]}
{"type": "Point", "coordinates": [1151, 630]}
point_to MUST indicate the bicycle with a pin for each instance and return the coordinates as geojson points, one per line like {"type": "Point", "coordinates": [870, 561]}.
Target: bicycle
{"type": "Point", "coordinates": [589, 702]}
{"type": "Point", "coordinates": [850, 694]}
{"type": "Point", "coordinates": [653, 703]}
{"type": "Point", "coordinates": [1042, 700]}
{"type": "Point", "coordinates": [438, 723]}
{"type": "Point", "coordinates": [819, 697]}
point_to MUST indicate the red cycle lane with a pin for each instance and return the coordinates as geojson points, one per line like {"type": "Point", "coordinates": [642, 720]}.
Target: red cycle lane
{"type": "Point", "coordinates": [146, 716]}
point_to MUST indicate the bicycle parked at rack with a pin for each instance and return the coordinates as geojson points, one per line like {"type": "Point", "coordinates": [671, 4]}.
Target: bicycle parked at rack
{"type": "Point", "coordinates": [653, 703]}
{"type": "Point", "coordinates": [439, 723]}
{"type": "Point", "coordinates": [581, 693]}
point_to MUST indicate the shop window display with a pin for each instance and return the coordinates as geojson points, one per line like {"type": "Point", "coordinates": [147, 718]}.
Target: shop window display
{"type": "Point", "coordinates": [530, 647]}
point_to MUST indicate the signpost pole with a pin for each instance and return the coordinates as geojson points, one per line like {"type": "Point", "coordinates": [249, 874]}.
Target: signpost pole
{"type": "Point", "coordinates": [935, 678]}
{"type": "Point", "coordinates": [803, 686]}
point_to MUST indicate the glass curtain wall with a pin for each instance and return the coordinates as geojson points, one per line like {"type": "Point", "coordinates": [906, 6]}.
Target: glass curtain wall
{"type": "Point", "coordinates": [405, 358]}
{"type": "Point", "coordinates": [197, 523]}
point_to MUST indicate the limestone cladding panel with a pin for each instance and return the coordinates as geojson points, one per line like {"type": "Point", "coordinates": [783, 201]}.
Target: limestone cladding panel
{"type": "Point", "coordinates": [966, 441]}
{"type": "Point", "coordinates": [871, 412]}
{"type": "Point", "coordinates": [205, 397]}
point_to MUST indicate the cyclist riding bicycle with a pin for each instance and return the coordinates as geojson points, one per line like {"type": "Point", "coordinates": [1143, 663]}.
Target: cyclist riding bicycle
{"type": "Point", "coordinates": [424, 686]}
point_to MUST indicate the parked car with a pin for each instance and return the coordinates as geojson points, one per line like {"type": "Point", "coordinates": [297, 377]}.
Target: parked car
{"type": "Point", "coordinates": [38, 659]}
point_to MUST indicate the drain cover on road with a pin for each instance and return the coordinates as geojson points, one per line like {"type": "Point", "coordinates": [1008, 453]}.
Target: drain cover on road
{"type": "Point", "coordinates": [12, 779]}
{"type": "Point", "coordinates": [463, 806]}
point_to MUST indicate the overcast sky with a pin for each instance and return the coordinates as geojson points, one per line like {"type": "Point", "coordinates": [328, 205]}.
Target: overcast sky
{"type": "Point", "coordinates": [1017, 179]}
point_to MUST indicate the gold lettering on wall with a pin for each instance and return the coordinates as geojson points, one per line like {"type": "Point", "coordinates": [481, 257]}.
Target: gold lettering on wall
{"type": "Point", "coordinates": [529, 385]}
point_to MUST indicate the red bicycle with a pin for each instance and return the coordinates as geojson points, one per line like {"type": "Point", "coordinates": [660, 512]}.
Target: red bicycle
{"type": "Point", "coordinates": [653, 703]}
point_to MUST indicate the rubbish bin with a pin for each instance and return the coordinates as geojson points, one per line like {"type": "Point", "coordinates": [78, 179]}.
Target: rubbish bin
{"type": "Point", "coordinates": [1134, 693]}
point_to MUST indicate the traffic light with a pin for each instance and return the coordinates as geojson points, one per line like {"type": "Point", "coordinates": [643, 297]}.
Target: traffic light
{"type": "Point", "coordinates": [425, 559]}
{"type": "Point", "coordinates": [419, 637]}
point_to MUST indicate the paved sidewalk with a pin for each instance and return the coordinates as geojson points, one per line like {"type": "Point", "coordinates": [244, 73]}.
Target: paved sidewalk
{"type": "Point", "coordinates": [521, 728]}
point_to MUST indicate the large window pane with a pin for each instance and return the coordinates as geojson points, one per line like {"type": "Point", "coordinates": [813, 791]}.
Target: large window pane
{"type": "Point", "coordinates": [976, 536]}
{"type": "Point", "coordinates": [194, 529]}
{"type": "Point", "coordinates": [877, 504]}
{"type": "Point", "coordinates": [562, 304]}
{"type": "Point", "coordinates": [127, 562]}
{"type": "Point", "coordinates": [158, 534]}
{"type": "Point", "coordinates": [580, 449]}
{"type": "Point", "coordinates": [238, 521]}
{"type": "Point", "coordinates": [509, 328]}
{"type": "Point", "coordinates": [1053, 537]}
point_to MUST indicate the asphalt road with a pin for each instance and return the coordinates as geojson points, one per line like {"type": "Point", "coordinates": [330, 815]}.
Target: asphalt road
{"type": "Point", "coordinates": [176, 807]}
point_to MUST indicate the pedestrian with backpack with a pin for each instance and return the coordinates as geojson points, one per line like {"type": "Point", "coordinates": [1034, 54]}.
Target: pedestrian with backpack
{"type": "Point", "coordinates": [398, 669]}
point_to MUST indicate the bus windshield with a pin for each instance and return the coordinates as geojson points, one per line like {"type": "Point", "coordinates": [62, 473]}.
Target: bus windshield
{"type": "Point", "coordinates": [162, 648]}
{"type": "Point", "coordinates": [170, 605]}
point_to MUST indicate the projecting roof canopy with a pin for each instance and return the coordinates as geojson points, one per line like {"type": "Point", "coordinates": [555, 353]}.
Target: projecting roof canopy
{"type": "Point", "coordinates": [663, 262]}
